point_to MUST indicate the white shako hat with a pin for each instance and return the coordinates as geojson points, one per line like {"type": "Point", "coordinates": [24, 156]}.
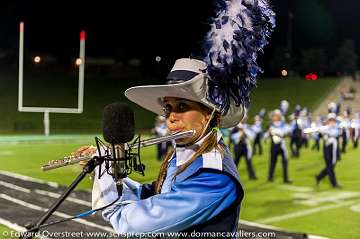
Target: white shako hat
{"type": "Point", "coordinates": [188, 79]}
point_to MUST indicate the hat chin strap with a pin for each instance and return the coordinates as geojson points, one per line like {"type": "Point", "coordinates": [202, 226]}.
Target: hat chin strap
{"type": "Point", "coordinates": [203, 132]}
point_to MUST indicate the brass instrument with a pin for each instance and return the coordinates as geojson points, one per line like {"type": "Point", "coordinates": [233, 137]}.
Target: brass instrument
{"type": "Point", "coordinates": [74, 159]}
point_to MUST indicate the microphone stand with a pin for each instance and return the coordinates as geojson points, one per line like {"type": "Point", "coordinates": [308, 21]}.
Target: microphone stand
{"type": "Point", "coordinates": [33, 228]}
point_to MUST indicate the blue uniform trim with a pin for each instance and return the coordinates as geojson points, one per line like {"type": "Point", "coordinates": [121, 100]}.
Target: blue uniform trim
{"type": "Point", "coordinates": [187, 204]}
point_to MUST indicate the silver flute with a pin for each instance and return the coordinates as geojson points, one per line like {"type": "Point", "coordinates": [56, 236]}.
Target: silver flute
{"type": "Point", "coordinates": [70, 160]}
{"type": "Point", "coordinates": [315, 129]}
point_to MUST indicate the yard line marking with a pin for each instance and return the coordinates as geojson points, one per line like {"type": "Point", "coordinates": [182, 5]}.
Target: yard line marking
{"type": "Point", "coordinates": [57, 195]}
{"type": "Point", "coordinates": [59, 214]}
{"type": "Point", "coordinates": [46, 193]}
{"type": "Point", "coordinates": [305, 212]}
{"type": "Point", "coordinates": [355, 208]}
{"type": "Point", "coordinates": [16, 227]}
{"type": "Point", "coordinates": [296, 188]}
{"type": "Point", "coordinates": [30, 179]}
{"type": "Point", "coordinates": [15, 187]}
{"type": "Point", "coordinates": [6, 153]}
{"type": "Point", "coordinates": [311, 199]}
{"type": "Point", "coordinates": [317, 237]}
{"type": "Point", "coordinates": [11, 225]}
{"type": "Point", "coordinates": [255, 224]}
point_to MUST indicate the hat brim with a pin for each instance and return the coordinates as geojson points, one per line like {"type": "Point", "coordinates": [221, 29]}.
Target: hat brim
{"type": "Point", "coordinates": [150, 97]}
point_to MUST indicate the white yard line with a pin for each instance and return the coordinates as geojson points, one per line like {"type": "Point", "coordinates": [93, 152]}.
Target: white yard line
{"type": "Point", "coordinates": [255, 224]}
{"type": "Point", "coordinates": [305, 212]}
{"type": "Point", "coordinates": [15, 187]}
{"type": "Point", "coordinates": [46, 193]}
{"type": "Point", "coordinates": [57, 195]}
{"type": "Point", "coordinates": [29, 179]}
{"type": "Point", "coordinates": [59, 214]}
{"type": "Point", "coordinates": [6, 153]}
{"type": "Point", "coordinates": [296, 188]}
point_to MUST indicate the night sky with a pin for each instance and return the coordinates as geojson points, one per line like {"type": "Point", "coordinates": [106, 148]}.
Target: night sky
{"type": "Point", "coordinates": [170, 29]}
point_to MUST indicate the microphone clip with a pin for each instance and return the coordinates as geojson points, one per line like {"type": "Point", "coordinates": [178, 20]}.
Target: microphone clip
{"type": "Point", "coordinates": [120, 160]}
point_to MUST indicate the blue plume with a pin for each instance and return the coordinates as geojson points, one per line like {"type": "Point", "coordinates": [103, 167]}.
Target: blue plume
{"type": "Point", "coordinates": [239, 31]}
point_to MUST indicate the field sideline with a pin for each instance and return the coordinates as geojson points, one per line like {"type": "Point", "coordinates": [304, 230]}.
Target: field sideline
{"type": "Point", "coordinates": [300, 207]}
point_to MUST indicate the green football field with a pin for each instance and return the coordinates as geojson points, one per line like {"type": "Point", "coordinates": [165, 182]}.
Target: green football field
{"type": "Point", "coordinates": [300, 207]}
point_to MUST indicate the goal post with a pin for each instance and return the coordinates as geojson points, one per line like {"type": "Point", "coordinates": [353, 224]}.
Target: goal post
{"type": "Point", "coordinates": [48, 110]}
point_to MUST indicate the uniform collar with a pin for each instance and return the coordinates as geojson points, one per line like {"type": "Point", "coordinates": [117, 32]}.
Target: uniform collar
{"type": "Point", "coordinates": [184, 154]}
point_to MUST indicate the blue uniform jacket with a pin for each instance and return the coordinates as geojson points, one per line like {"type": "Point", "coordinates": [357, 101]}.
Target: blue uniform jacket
{"type": "Point", "coordinates": [206, 188]}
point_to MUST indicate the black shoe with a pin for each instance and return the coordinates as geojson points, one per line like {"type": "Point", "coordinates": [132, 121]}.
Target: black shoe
{"type": "Point", "coordinates": [337, 186]}
{"type": "Point", "coordinates": [270, 180]}
{"type": "Point", "coordinates": [253, 178]}
{"type": "Point", "coordinates": [288, 181]}
{"type": "Point", "coordinates": [317, 181]}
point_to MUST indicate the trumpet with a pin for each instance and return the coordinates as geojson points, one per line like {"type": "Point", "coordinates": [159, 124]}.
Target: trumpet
{"type": "Point", "coordinates": [70, 160]}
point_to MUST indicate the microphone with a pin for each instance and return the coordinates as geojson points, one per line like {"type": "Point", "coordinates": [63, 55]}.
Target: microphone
{"type": "Point", "coordinates": [118, 129]}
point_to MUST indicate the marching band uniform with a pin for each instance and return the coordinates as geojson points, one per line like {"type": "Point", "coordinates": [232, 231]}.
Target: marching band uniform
{"type": "Point", "coordinates": [316, 135]}
{"type": "Point", "coordinates": [332, 107]}
{"type": "Point", "coordinates": [257, 129]}
{"type": "Point", "coordinates": [161, 130]}
{"type": "Point", "coordinates": [345, 126]}
{"type": "Point", "coordinates": [355, 125]}
{"type": "Point", "coordinates": [284, 106]}
{"type": "Point", "coordinates": [305, 123]}
{"type": "Point", "coordinates": [330, 151]}
{"type": "Point", "coordinates": [240, 136]}
{"type": "Point", "coordinates": [139, 210]}
{"type": "Point", "coordinates": [296, 136]}
{"type": "Point", "coordinates": [277, 131]}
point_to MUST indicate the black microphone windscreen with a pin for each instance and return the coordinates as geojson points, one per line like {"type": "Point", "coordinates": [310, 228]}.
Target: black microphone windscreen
{"type": "Point", "coordinates": [118, 123]}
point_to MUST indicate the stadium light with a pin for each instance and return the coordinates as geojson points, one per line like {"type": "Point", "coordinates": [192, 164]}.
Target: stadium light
{"type": "Point", "coordinates": [158, 58]}
{"type": "Point", "coordinates": [37, 59]}
{"type": "Point", "coordinates": [78, 61]}
{"type": "Point", "coordinates": [284, 73]}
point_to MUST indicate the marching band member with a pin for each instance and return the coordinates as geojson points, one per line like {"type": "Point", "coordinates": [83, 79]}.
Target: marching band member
{"type": "Point", "coordinates": [330, 135]}
{"type": "Point", "coordinates": [198, 187]}
{"type": "Point", "coordinates": [277, 131]}
{"type": "Point", "coordinates": [305, 123]}
{"type": "Point", "coordinates": [257, 129]}
{"type": "Point", "coordinates": [355, 125]}
{"type": "Point", "coordinates": [345, 126]}
{"type": "Point", "coordinates": [161, 130]}
{"type": "Point", "coordinates": [296, 134]}
{"type": "Point", "coordinates": [333, 107]}
{"type": "Point", "coordinates": [240, 136]}
{"type": "Point", "coordinates": [284, 106]}
{"type": "Point", "coordinates": [316, 135]}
